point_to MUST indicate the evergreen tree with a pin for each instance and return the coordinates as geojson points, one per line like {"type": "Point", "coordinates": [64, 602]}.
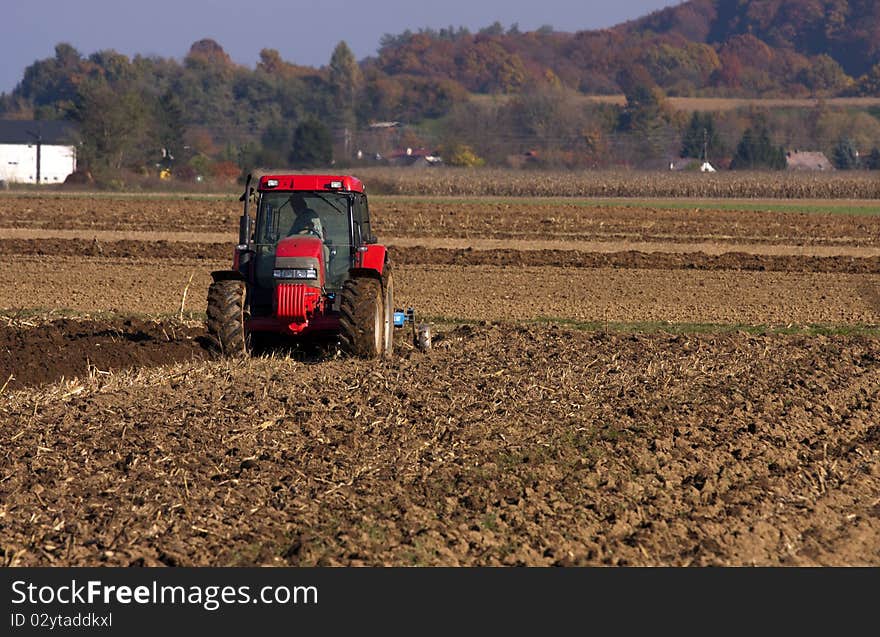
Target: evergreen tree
{"type": "Point", "coordinates": [845, 156]}
{"type": "Point", "coordinates": [701, 133]}
{"type": "Point", "coordinates": [345, 85]}
{"type": "Point", "coordinates": [312, 145]}
{"type": "Point", "coordinates": [169, 127]}
{"type": "Point", "coordinates": [755, 151]}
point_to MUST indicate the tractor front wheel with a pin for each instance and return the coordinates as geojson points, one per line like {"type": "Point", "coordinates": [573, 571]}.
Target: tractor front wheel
{"type": "Point", "coordinates": [362, 317]}
{"type": "Point", "coordinates": [226, 318]}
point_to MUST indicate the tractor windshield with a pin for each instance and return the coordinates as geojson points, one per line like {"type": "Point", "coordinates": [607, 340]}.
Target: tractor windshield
{"type": "Point", "coordinates": [321, 214]}
{"type": "Point", "coordinates": [284, 214]}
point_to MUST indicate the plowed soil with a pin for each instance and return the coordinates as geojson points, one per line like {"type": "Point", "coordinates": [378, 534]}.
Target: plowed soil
{"type": "Point", "coordinates": [571, 220]}
{"type": "Point", "coordinates": [518, 440]}
{"type": "Point", "coordinates": [421, 254]}
{"type": "Point", "coordinates": [503, 446]}
{"type": "Point", "coordinates": [35, 354]}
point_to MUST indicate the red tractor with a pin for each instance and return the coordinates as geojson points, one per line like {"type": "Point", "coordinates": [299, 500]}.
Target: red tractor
{"type": "Point", "coordinates": [308, 265]}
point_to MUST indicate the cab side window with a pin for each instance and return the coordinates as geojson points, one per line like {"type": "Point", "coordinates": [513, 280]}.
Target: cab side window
{"type": "Point", "coordinates": [362, 218]}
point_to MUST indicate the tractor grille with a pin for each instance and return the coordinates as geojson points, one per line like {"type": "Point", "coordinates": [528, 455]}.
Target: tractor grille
{"type": "Point", "coordinates": [295, 301]}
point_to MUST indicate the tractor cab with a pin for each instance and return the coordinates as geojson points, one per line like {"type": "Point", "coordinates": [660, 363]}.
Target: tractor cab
{"type": "Point", "coordinates": [304, 222]}
{"type": "Point", "coordinates": [308, 263]}
{"type": "Point", "coordinates": [336, 214]}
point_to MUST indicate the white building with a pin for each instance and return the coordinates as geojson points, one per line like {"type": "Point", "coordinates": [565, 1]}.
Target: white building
{"type": "Point", "coordinates": [31, 147]}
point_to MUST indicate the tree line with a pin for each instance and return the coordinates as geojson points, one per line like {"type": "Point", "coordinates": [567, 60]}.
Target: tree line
{"type": "Point", "coordinates": [206, 115]}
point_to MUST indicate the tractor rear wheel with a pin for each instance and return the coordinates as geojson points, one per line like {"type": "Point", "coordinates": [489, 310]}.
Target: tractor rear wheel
{"type": "Point", "coordinates": [226, 318]}
{"type": "Point", "coordinates": [362, 317]}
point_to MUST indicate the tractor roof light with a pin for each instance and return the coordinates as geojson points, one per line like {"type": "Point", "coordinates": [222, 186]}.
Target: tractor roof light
{"type": "Point", "coordinates": [336, 184]}
{"type": "Point", "coordinates": [271, 183]}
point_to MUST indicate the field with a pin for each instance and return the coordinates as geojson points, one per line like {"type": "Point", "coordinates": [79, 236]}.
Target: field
{"type": "Point", "coordinates": [614, 381]}
{"type": "Point", "coordinates": [715, 104]}
{"type": "Point", "coordinates": [731, 103]}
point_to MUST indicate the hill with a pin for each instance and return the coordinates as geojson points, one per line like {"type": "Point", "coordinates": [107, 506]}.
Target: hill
{"type": "Point", "coordinates": [744, 48]}
{"type": "Point", "coordinates": [848, 31]}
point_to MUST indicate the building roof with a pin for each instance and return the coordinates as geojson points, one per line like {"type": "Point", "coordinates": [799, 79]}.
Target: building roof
{"type": "Point", "coordinates": [804, 160]}
{"type": "Point", "coordinates": [25, 131]}
{"type": "Point", "coordinates": [684, 163]}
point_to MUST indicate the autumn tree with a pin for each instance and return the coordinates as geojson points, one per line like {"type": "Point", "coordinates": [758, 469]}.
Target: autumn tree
{"type": "Point", "coordinates": [869, 83]}
{"type": "Point", "coordinates": [645, 117]}
{"type": "Point", "coordinates": [112, 123]}
{"type": "Point", "coordinates": [824, 76]}
{"type": "Point", "coordinates": [463, 156]}
{"type": "Point", "coordinates": [645, 101]}
{"type": "Point", "coordinates": [50, 85]}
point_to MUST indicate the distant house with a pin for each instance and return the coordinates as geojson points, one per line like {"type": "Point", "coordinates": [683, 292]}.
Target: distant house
{"type": "Point", "coordinates": [684, 163]}
{"type": "Point", "coordinates": [804, 160]}
{"type": "Point", "coordinates": [34, 152]}
{"type": "Point", "coordinates": [690, 163]}
{"type": "Point", "coordinates": [384, 125]}
{"type": "Point", "coordinates": [414, 157]}
{"type": "Point", "coordinates": [521, 160]}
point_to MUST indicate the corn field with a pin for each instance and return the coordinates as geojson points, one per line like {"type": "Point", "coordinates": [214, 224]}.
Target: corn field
{"type": "Point", "coordinates": [513, 183]}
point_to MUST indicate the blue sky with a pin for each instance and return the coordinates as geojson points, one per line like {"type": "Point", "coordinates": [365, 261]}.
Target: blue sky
{"type": "Point", "coordinates": [303, 31]}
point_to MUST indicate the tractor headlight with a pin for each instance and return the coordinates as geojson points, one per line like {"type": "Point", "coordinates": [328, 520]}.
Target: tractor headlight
{"type": "Point", "coordinates": [295, 273]}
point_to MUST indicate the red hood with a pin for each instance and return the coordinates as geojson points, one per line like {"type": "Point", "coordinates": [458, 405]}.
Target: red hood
{"type": "Point", "coordinates": [301, 247]}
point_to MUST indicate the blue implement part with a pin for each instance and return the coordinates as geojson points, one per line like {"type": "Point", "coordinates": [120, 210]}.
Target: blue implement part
{"type": "Point", "coordinates": [401, 318]}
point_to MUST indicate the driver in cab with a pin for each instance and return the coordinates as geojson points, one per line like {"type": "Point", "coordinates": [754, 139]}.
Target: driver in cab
{"type": "Point", "coordinates": [308, 223]}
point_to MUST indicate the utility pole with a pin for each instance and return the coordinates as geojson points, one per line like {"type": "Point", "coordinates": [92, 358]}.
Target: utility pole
{"type": "Point", "coordinates": [38, 136]}
{"type": "Point", "coordinates": [705, 145]}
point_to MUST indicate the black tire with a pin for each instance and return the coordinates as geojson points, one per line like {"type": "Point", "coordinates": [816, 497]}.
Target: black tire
{"type": "Point", "coordinates": [226, 318]}
{"type": "Point", "coordinates": [362, 317]}
{"type": "Point", "coordinates": [388, 311]}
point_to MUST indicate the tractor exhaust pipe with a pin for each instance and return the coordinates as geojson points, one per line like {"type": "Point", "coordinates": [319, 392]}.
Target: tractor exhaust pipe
{"type": "Point", "coordinates": [245, 224]}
